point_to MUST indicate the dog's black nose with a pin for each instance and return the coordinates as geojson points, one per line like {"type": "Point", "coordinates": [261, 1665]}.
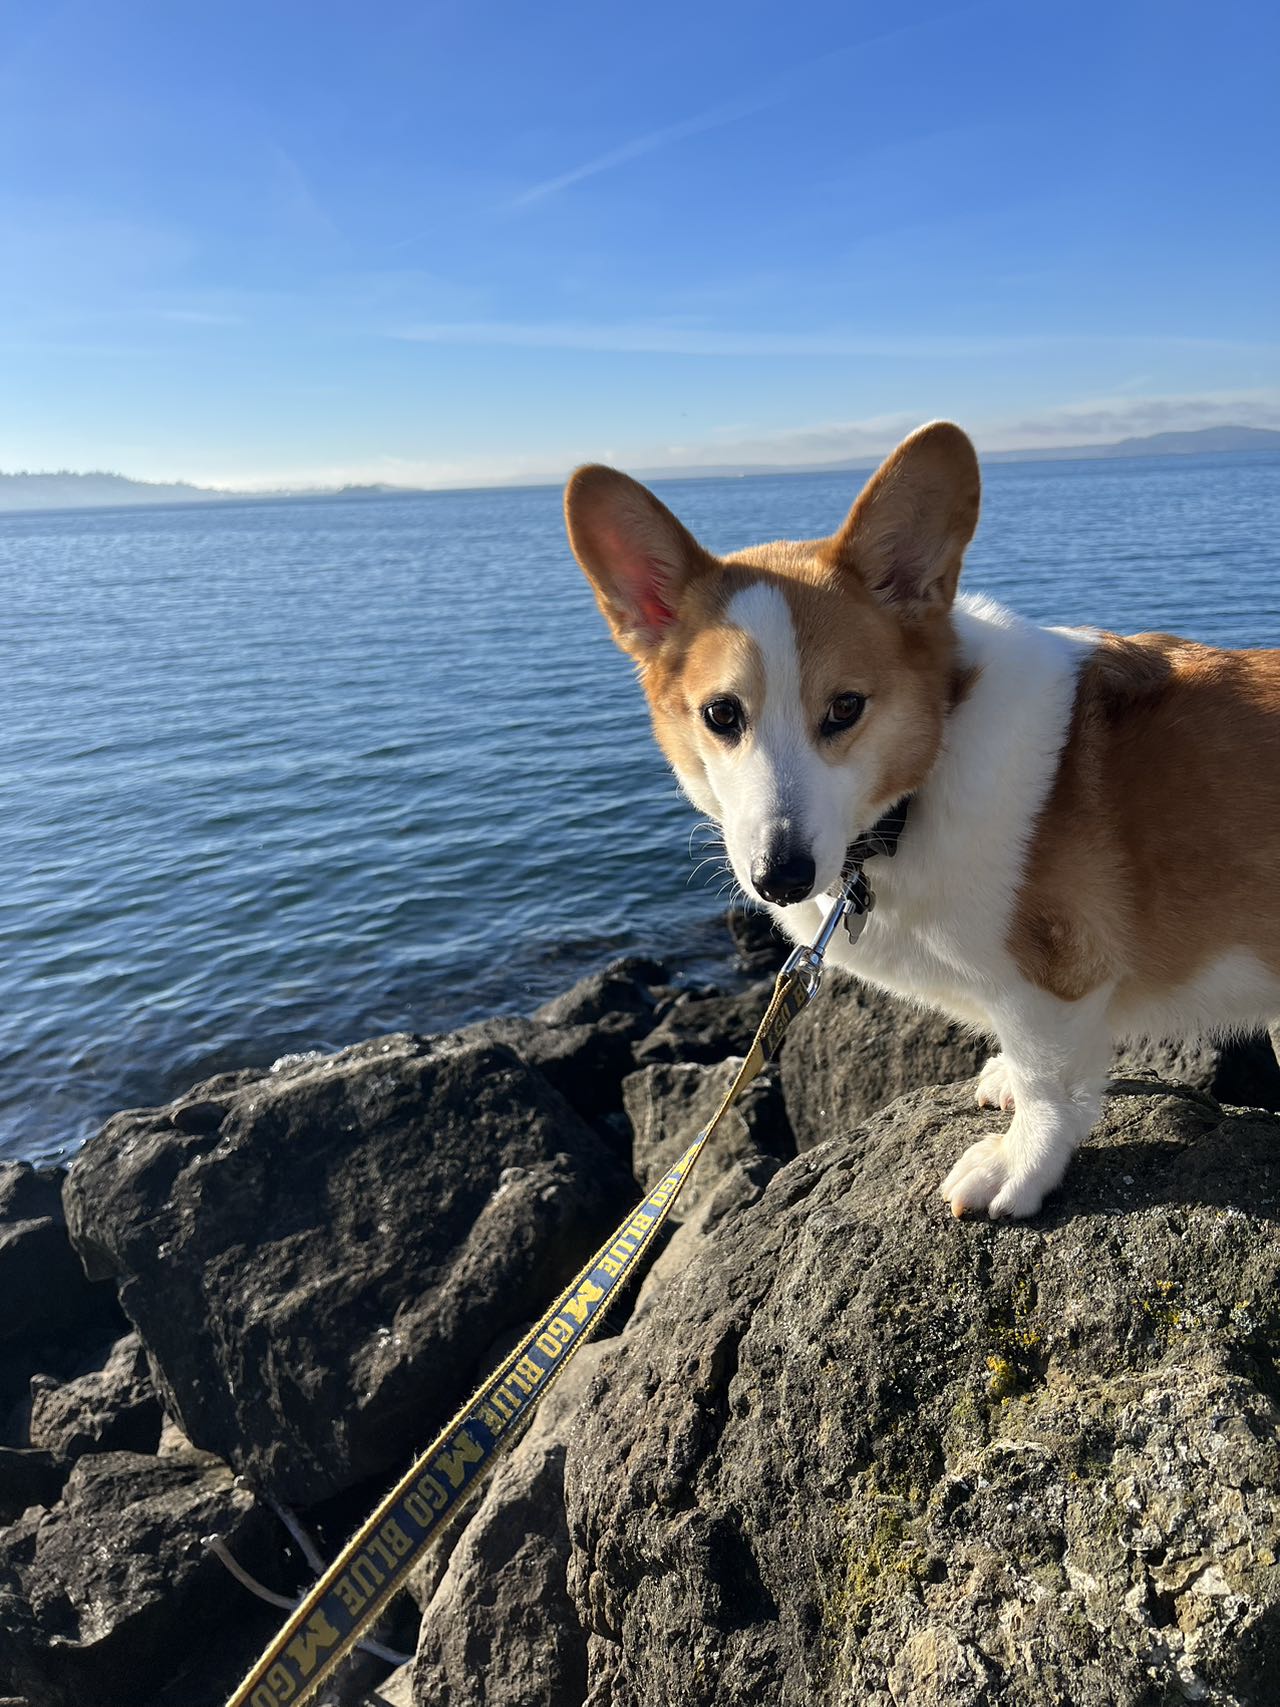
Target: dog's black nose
{"type": "Point", "coordinates": [783, 880]}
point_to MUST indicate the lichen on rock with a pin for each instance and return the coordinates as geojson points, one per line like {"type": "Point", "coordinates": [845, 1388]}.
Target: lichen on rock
{"type": "Point", "coordinates": [869, 1454]}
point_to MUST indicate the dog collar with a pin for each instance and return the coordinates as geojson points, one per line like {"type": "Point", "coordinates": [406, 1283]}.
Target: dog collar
{"type": "Point", "coordinates": [882, 838]}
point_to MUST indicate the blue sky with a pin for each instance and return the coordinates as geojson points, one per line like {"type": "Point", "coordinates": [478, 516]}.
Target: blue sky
{"type": "Point", "coordinates": [435, 243]}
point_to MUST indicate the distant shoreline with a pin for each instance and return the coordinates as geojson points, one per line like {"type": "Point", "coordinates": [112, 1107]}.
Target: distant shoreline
{"type": "Point", "coordinates": [28, 494]}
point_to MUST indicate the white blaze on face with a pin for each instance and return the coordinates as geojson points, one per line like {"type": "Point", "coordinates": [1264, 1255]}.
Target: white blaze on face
{"type": "Point", "coordinates": [777, 795]}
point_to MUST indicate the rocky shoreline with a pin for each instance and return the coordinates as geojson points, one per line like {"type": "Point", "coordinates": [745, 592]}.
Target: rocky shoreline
{"type": "Point", "coordinates": [837, 1448]}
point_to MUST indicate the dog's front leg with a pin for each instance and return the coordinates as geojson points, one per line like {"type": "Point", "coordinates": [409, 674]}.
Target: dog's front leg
{"type": "Point", "coordinates": [1054, 1058]}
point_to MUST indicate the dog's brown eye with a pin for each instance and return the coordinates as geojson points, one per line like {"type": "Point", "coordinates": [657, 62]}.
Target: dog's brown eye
{"type": "Point", "coordinates": [723, 716]}
{"type": "Point", "coordinates": [843, 712]}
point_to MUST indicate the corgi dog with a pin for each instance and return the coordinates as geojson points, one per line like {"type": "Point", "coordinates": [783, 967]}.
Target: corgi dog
{"type": "Point", "coordinates": [1092, 851]}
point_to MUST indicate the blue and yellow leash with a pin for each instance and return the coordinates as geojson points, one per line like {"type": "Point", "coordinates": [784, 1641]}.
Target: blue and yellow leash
{"type": "Point", "coordinates": [376, 1563]}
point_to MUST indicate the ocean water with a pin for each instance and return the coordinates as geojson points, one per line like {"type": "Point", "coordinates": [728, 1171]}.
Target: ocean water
{"type": "Point", "coordinates": [279, 776]}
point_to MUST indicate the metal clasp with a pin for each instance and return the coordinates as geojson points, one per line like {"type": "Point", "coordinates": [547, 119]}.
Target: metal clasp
{"type": "Point", "coordinates": [852, 905]}
{"type": "Point", "coordinates": [805, 963]}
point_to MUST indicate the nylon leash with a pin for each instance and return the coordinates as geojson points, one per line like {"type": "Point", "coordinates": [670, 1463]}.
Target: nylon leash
{"type": "Point", "coordinates": [376, 1563]}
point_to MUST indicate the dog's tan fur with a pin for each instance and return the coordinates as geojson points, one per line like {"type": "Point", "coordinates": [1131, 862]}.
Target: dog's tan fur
{"type": "Point", "coordinates": [1115, 887]}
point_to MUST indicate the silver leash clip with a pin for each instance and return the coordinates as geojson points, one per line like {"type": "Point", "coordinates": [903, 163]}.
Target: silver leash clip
{"type": "Point", "coordinates": [806, 963]}
{"type": "Point", "coordinates": [852, 905]}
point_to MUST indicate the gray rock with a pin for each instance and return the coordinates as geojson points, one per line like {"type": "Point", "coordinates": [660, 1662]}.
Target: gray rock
{"type": "Point", "coordinates": [111, 1408]}
{"type": "Point", "coordinates": [396, 1690]}
{"type": "Point", "coordinates": [29, 1193]}
{"type": "Point", "coordinates": [41, 1282]}
{"type": "Point", "coordinates": [108, 1596]}
{"type": "Point", "coordinates": [581, 1042]}
{"type": "Point", "coordinates": [668, 1105]}
{"type": "Point", "coordinates": [856, 1048]}
{"type": "Point", "coordinates": [586, 1063]}
{"type": "Point", "coordinates": [626, 987]}
{"type": "Point", "coordinates": [706, 1026]}
{"type": "Point", "coordinates": [758, 943]}
{"type": "Point", "coordinates": [317, 1278]}
{"type": "Point", "coordinates": [861, 1452]}
{"type": "Point", "coordinates": [1239, 1070]}
{"type": "Point", "coordinates": [734, 1189]}
{"type": "Point", "coordinates": [500, 1629]}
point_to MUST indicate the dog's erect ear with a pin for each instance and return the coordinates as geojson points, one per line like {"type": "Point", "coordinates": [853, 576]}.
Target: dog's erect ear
{"type": "Point", "coordinates": [906, 535]}
{"type": "Point", "coordinates": [635, 553]}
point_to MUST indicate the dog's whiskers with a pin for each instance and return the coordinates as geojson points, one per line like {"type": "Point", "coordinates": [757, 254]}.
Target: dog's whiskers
{"type": "Point", "coordinates": [705, 827]}
{"type": "Point", "coordinates": [716, 861]}
{"type": "Point", "coordinates": [713, 850]}
{"type": "Point", "coordinates": [719, 863]}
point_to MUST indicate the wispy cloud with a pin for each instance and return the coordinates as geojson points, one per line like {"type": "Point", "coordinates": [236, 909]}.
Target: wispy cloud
{"type": "Point", "coordinates": [715, 118]}
{"type": "Point", "coordinates": [791, 79]}
{"type": "Point", "coordinates": [1105, 419]}
{"type": "Point", "coordinates": [388, 470]}
{"type": "Point", "coordinates": [682, 338]}
{"type": "Point", "coordinates": [1101, 421]}
{"type": "Point", "coordinates": [675, 338]}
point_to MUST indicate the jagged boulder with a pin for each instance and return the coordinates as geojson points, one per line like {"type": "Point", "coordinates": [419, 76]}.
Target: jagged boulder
{"type": "Point", "coordinates": [857, 1048]}
{"type": "Point", "coordinates": [111, 1406]}
{"type": "Point", "coordinates": [759, 946]}
{"type": "Point", "coordinates": [1241, 1070]}
{"type": "Point", "coordinates": [585, 1063]}
{"type": "Point", "coordinates": [706, 1026]}
{"type": "Point", "coordinates": [320, 1274]}
{"type": "Point", "coordinates": [668, 1104]}
{"type": "Point", "coordinates": [625, 989]}
{"type": "Point", "coordinates": [582, 1041]}
{"type": "Point", "coordinates": [108, 1596]}
{"type": "Point", "coordinates": [863, 1453]}
{"type": "Point", "coordinates": [28, 1193]}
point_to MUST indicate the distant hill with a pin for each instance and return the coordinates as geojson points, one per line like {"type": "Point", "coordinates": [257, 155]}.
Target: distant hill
{"type": "Point", "coordinates": [66, 491]}
{"type": "Point", "coordinates": [1203, 441]}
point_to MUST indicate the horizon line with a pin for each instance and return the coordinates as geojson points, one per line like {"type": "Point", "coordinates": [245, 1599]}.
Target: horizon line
{"type": "Point", "coordinates": [1076, 452]}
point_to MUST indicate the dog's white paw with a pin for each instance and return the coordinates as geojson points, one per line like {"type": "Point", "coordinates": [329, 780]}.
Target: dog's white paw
{"type": "Point", "coordinates": [984, 1178]}
{"type": "Point", "coordinates": [995, 1086]}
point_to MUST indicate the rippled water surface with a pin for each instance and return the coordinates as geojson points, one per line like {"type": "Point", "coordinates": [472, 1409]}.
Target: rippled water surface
{"type": "Point", "coordinates": [285, 775]}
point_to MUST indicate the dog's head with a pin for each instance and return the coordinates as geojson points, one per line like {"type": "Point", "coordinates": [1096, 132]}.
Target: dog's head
{"type": "Point", "coordinates": [799, 689]}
